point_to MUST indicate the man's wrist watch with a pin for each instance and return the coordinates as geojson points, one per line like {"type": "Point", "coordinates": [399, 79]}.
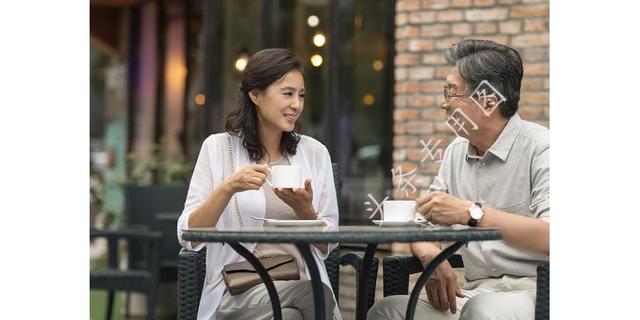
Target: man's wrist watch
{"type": "Point", "coordinates": [476, 212]}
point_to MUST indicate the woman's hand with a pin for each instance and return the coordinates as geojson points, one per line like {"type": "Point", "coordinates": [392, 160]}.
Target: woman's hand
{"type": "Point", "coordinates": [300, 200]}
{"type": "Point", "coordinates": [251, 177]}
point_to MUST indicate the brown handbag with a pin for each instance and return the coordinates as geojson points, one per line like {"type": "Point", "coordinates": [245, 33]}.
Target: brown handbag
{"type": "Point", "coordinates": [241, 276]}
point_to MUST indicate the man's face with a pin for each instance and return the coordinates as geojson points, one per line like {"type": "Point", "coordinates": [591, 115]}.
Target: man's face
{"type": "Point", "coordinates": [464, 116]}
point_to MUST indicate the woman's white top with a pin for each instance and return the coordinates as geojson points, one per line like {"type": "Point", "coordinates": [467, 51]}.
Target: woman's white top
{"type": "Point", "coordinates": [278, 209]}
{"type": "Point", "coordinates": [212, 168]}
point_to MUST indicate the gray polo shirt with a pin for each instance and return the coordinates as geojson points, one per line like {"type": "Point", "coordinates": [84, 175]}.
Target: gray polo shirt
{"type": "Point", "coordinates": [513, 176]}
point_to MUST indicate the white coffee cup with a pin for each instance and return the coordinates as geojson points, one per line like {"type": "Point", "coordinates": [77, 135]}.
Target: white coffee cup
{"type": "Point", "coordinates": [398, 210]}
{"type": "Point", "coordinates": [285, 177]}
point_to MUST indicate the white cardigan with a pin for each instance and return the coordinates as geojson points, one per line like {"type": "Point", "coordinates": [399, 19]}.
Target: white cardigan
{"type": "Point", "coordinates": [212, 168]}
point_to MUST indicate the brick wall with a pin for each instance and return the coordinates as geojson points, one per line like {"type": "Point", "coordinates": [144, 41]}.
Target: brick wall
{"type": "Point", "coordinates": [423, 30]}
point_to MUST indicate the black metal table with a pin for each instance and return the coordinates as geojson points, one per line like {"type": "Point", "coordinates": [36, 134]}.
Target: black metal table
{"type": "Point", "coordinates": [304, 237]}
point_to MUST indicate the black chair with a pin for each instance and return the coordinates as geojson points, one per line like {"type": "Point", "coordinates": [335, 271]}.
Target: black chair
{"type": "Point", "coordinates": [396, 271]}
{"type": "Point", "coordinates": [143, 278]}
{"type": "Point", "coordinates": [542, 292]}
{"type": "Point", "coordinates": [192, 270]}
{"type": "Point", "coordinates": [355, 260]}
{"type": "Point", "coordinates": [144, 206]}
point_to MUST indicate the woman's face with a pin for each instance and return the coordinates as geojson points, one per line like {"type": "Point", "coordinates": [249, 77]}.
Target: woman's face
{"type": "Point", "coordinates": [280, 105]}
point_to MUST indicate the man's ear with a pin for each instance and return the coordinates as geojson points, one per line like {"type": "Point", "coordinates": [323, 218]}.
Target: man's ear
{"type": "Point", "coordinates": [490, 103]}
{"type": "Point", "coordinates": [254, 95]}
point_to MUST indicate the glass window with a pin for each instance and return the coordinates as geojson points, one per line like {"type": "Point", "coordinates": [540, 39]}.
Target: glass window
{"type": "Point", "coordinates": [361, 60]}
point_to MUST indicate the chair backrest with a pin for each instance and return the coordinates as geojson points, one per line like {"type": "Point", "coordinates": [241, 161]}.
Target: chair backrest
{"type": "Point", "coordinates": [332, 263]}
{"type": "Point", "coordinates": [336, 179]}
{"type": "Point", "coordinates": [148, 242]}
{"type": "Point", "coordinates": [142, 204]}
{"type": "Point", "coordinates": [397, 269]}
{"type": "Point", "coordinates": [542, 293]}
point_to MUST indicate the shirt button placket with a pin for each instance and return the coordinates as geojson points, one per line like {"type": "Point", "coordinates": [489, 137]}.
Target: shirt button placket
{"type": "Point", "coordinates": [480, 186]}
{"type": "Point", "coordinates": [478, 183]}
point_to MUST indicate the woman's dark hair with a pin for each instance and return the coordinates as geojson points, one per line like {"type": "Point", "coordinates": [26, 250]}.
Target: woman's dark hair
{"type": "Point", "coordinates": [501, 66]}
{"type": "Point", "coordinates": [264, 68]}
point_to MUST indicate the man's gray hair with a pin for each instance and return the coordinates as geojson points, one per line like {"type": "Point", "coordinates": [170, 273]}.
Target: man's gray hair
{"type": "Point", "coordinates": [501, 66]}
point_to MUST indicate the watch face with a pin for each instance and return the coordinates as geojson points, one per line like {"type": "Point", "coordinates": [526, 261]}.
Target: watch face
{"type": "Point", "coordinates": [476, 212]}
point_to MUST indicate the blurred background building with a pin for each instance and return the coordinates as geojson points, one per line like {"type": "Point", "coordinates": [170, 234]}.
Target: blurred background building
{"type": "Point", "coordinates": [164, 74]}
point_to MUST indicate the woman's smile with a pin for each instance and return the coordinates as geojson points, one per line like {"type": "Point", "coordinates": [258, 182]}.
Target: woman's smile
{"type": "Point", "coordinates": [291, 117]}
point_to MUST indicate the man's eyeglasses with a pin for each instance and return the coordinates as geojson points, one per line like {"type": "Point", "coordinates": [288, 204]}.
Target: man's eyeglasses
{"type": "Point", "coordinates": [448, 96]}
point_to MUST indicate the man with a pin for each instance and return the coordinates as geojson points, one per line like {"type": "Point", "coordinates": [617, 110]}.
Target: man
{"type": "Point", "coordinates": [495, 174]}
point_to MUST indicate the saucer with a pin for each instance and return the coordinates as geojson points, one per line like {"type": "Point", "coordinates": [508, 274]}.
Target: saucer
{"type": "Point", "coordinates": [384, 223]}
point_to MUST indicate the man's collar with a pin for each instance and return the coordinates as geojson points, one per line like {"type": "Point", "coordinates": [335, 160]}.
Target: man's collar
{"type": "Point", "coordinates": [501, 147]}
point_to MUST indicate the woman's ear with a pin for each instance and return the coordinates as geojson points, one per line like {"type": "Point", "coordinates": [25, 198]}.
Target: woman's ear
{"type": "Point", "coordinates": [254, 95]}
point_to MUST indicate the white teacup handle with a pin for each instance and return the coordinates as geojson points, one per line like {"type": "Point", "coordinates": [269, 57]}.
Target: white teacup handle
{"type": "Point", "coordinates": [267, 179]}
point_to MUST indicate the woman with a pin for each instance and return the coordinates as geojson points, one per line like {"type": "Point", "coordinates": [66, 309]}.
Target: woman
{"type": "Point", "coordinates": [261, 132]}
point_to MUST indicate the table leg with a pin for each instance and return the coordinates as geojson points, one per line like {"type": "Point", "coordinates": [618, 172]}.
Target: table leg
{"type": "Point", "coordinates": [363, 282]}
{"type": "Point", "coordinates": [264, 275]}
{"type": "Point", "coordinates": [415, 293]}
{"type": "Point", "coordinates": [316, 281]}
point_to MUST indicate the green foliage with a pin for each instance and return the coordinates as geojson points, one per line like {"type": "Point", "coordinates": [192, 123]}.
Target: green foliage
{"type": "Point", "coordinates": [160, 169]}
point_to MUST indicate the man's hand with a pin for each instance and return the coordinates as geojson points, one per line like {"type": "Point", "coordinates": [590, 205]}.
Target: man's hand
{"type": "Point", "coordinates": [443, 208]}
{"type": "Point", "coordinates": [300, 200]}
{"type": "Point", "coordinates": [442, 288]}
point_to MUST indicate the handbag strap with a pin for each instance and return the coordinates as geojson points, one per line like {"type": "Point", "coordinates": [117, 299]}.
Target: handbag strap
{"type": "Point", "coordinates": [257, 251]}
{"type": "Point", "coordinates": [232, 166]}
